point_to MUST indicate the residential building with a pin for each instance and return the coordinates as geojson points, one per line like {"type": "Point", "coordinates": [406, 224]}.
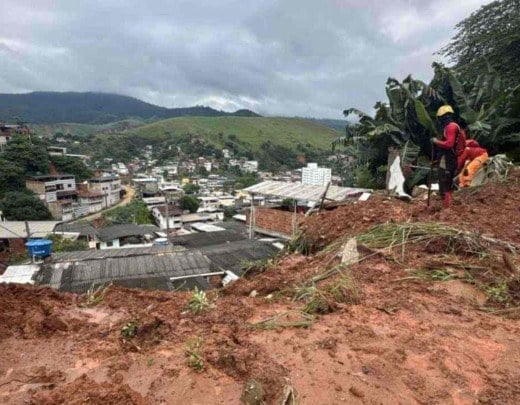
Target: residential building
{"type": "Point", "coordinates": [8, 130]}
{"type": "Point", "coordinates": [126, 235]}
{"type": "Point", "coordinates": [92, 200]}
{"type": "Point", "coordinates": [50, 188]}
{"type": "Point", "coordinates": [61, 151]}
{"type": "Point", "coordinates": [109, 186]}
{"type": "Point", "coordinates": [174, 215]}
{"type": "Point", "coordinates": [317, 176]}
{"type": "Point", "coordinates": [152, 202]}
{"type": "Point", "coordinates": [59, 194]}
{"type": "Point", "coordinates": [250, 166]}
{"type": "Point", "coordinates": [209, 203]}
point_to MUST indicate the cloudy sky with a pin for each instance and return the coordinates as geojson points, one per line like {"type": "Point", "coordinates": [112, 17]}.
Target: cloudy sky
{"type": "Point", "coordinates": [285, 57]}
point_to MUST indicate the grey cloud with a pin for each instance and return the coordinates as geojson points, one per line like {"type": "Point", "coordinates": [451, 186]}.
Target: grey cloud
{"type": "Point", "coordinates": [291, 57]}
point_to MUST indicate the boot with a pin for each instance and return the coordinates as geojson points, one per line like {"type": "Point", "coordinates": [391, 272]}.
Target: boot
{"type": "Point", "coordinates": [447, 199]}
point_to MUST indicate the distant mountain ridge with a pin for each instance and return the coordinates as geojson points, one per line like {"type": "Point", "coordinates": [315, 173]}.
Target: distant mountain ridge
{"type": "Point", "coordinates": [93, 108]}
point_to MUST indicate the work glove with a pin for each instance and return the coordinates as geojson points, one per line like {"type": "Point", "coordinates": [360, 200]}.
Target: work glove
{"type": "Point", "coordinates": [433, 141]}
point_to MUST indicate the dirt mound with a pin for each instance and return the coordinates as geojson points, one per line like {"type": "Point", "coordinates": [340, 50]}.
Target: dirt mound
{"type": "Point", "coordinates": [493, 209]}
{"type": "Point", "coordinates": [29, 312]}
{"type": "Point", "coordinates": [86, 391]}
{"type": "Point", "coordinates": [426, 322]}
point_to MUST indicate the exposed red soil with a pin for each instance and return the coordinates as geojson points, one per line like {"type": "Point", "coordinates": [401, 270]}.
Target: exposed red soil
{"type": "Point", "coordinates": [408, 340]}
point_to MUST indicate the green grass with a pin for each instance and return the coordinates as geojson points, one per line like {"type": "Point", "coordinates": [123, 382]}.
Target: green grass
{"type": "Point", "coordinates": [251, 130]}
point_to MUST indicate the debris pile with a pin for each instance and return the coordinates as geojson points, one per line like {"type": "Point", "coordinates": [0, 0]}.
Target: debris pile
{"type": "Point", "coordinates": [380, 301]}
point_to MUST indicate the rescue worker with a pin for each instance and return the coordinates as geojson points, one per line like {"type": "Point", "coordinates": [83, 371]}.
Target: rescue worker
{"type": "Point", "coordinates": [449, 148]}
{"type": "Point", "coordinates": [474, 157]}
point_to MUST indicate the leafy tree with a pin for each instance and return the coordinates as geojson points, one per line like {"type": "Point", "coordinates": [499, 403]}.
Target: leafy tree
{"type": "Point", "coordinates": [488, 110]}
{"type": "Point", "coordinates": [189, 202]}
{"type": "Point", "coordinates": [246, 180]}
{"type": "Point", "coordinates": [61, 244]}
{"type": "Point", "coordinates": [134, 212]}
{"type": "Point", "coordinates": [191, 188]}
{"type": "Point", "coordinates": [28, 153]}
{"type": "Point", "coordinates": [71, 165]}
{"type": "Point", "coordinates": [488, 38]}
{"type": "Point", "coordinates": [11, 177]}
{"type": "Point", "coordinates": [20, 206]}
{"type": "Point", "coordinates": [229, 212]}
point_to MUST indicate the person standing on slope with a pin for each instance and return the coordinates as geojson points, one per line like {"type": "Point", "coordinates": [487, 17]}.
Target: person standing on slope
{"type": "Point", "coordinates": [449, 148]}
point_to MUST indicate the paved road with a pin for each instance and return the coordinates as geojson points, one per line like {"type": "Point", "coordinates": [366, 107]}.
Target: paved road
{"type": "Point", "coordinates": [130, 193]}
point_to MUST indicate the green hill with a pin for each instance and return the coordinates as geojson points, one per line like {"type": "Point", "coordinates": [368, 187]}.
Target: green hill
{"type": "Point", "coordinates": [92, 108]}
{"type": "Point", "coordinates": [275, 142]}
{"type": "Point", "coordinates": [253, 131]}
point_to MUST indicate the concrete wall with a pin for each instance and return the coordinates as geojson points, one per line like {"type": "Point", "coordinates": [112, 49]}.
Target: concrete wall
{"type": "Point", "coordinates": [275, 220]}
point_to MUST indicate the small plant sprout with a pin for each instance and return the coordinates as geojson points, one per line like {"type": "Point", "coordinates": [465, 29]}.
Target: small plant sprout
{"type": "Point", "coordinates": [193, 354]}
{"type": "Point", "coordinates": [199, 301]}
{"type": "Point", "coordinates": [129, 330]}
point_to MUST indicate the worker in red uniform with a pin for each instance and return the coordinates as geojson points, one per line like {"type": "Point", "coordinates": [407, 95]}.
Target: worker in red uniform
{"type": "Point", "coordinates": [474, 157]}
{"type": "Point", "coordinates": [449, 148]}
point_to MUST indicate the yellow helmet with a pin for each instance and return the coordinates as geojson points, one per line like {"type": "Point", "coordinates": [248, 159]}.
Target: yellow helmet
{"type": "Point", "coordinates": [445, 109]}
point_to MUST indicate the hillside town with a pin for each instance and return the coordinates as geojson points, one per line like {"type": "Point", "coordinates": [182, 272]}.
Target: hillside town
{"type": "Point", "coordinates": [179, 198]}
{"type": "Point", "coordinates": [260, 203]}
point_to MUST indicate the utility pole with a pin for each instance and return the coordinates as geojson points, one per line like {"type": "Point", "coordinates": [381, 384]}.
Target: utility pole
{"type": "Point", "coordinates": [252, 217]}
{"type": "Point", "coordinates": [27, 230]}
{"type": "Point", "coordinates": [167, 211]}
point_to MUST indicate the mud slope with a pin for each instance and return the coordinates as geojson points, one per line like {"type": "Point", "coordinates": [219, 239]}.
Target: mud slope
{"type": "Point", "coordinates": [427, 323]}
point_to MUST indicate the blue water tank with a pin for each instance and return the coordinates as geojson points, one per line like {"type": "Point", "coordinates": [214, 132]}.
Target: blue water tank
{"type": "Point", "coordinates": [39, 248]}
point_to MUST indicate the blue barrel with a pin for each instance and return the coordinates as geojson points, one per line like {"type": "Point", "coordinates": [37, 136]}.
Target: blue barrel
{"type": "Point", "coordinates": [39, 248]}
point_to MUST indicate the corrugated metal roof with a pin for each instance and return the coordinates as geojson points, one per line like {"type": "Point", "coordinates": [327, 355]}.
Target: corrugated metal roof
{"type": "Point", "coordinates": [198, 240]}
{"type": "Point", "coordinates": [16, 229]}
{"type": "Point", "coordinates": [19, 274]}
{"type": "Point", "coordinates": [144, 271]}
{"type": "Point", "coordinates": [123, 230]}
{"type": "Point", "coordinates": [108, 253]}
{"type": "Point", "coordinates": [305, 192]}
{"type": "Point", "coordinates": [232, 256]}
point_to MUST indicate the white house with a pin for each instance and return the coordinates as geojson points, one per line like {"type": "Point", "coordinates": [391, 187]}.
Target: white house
{"type": "Point", "coordinates": [174, 214]}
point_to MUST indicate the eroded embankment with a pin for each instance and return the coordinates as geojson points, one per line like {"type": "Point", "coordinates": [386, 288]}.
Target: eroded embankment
{"type": "Point", "coordinates": [430, 320]}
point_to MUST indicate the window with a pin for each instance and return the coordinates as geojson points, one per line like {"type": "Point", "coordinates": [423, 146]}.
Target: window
{"type": "Point", "coordinates": [110, 244]}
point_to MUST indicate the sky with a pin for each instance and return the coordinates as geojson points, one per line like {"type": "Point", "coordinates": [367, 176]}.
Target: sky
{"type": "Point", "coordinates": [311, 58]}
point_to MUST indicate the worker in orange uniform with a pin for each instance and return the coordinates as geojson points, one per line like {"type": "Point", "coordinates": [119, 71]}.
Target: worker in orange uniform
{"type": "Point", "coordinates": [449, 148]}
{"type": "Point", "coordinates": [475, 156]}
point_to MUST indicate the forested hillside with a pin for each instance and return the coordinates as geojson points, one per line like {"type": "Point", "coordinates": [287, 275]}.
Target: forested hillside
{"type": "Point", "coordinates": [91, 108]}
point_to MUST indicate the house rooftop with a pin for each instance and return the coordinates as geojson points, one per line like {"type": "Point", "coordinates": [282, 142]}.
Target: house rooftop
{"type": "Point", "coordinates": [148, 271]}
{"type": "Point", "coordinates": [81, 229]}
{"type": "Point", "coordinates": [113, 253]}
{"type": "Point", "coordinates": [173, 210]}
{"type": "Point", "coordinates": [199, 240]}
{"type": "Point", "coordinates": [16, 229]}
{"type": "Point", "coordinates": [123, 230]}
{"type": "Point", "coordinates": [305, 192]}
{"type": "Point", "coordinates": [234, 256]}
{"type": "Point", "coordinates": [50, 177]}
{"type": "Point", "coordinates": [102, 179]}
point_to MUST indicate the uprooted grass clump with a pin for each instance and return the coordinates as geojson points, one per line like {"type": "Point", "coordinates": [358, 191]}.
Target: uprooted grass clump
{"type": "Point", "coordinates": [95, 295]}
{"type": "Point", "coordinates": [288, 319]}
